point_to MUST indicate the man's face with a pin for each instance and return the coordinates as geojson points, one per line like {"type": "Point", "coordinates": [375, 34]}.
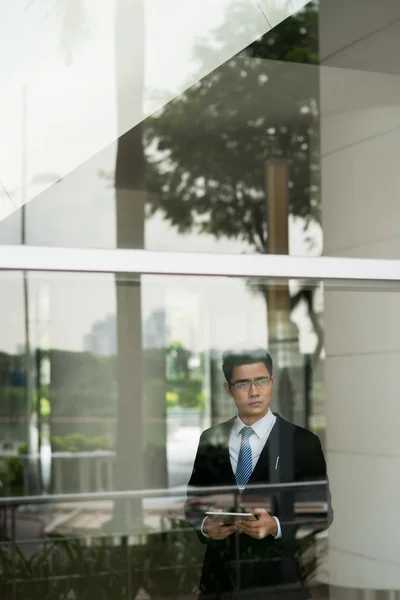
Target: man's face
{"type": "Point", "coordinates": [252, 401]}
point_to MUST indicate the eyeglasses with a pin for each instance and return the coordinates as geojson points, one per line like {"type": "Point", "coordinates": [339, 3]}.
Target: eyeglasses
{"type": "Point", "coordinates": [245, 384]}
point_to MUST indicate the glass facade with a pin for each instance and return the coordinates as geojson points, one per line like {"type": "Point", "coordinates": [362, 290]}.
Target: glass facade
{"type": "Point", "coordinates": [183, 192]}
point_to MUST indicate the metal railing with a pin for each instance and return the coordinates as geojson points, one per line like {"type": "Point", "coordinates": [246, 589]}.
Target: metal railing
{"type": "Point", "coordinates": [130, 536]}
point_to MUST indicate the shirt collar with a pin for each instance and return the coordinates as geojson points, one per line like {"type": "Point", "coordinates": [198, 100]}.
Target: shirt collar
{"type": "Point", "coordinates": [260, 427]}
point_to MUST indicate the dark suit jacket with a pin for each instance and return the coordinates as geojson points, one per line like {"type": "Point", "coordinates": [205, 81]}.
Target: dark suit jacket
{"type": "Point", "coordinates": [268, 568]}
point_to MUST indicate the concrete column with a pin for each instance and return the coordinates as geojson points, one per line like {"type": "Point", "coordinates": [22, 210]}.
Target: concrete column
{"type": "Point", "coordinates": [360, 148]}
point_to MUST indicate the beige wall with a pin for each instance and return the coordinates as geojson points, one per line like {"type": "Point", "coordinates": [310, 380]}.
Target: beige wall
{"type": "Point", "coordinates": [360, 146]}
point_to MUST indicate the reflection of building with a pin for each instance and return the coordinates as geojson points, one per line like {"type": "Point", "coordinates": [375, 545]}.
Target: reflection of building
{"type": "Point", "coordinates": [102, 339]}
{"type": "Point", "coordinates": [155, 331]}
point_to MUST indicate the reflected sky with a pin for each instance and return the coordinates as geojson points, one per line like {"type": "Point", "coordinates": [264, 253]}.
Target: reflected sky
{"type": "Point", "coordinates": [70, 76]}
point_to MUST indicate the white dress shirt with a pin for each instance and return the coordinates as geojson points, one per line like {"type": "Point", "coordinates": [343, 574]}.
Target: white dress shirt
{"type": "Point", "coordinates": [262, 429]}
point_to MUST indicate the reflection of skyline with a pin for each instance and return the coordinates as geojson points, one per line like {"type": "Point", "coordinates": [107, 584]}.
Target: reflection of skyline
{"type": "Point", "coordinates": [102, 338]}
{"type": "Point", "coordinates": [228, 309]}
{"type": "Point", "coordinates": [222, 311]}
{"type": "Point", "coordinates": [155, 332]}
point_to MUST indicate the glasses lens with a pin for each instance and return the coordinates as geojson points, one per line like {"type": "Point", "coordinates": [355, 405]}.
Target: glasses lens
{"type": "Point", "coordinates": [262, 382]}
{"type": "Point", "coordinates": [243, 385]}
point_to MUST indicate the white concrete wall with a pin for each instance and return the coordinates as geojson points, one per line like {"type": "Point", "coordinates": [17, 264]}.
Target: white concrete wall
{"type": "Point", "coordinates": [360, 120]}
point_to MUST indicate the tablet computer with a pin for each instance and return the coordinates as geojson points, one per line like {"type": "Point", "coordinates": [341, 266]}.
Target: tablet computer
{"type": "Point", "coordinates": [228, 518]}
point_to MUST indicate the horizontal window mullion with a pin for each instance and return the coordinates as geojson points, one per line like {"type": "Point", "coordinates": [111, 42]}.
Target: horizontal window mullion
{"type": "Point", "coordinates": [88, 260]}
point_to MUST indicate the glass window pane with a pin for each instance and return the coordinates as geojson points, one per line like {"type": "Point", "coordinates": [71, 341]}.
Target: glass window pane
{"type": "Point", "coordinates": [317, 90]}
{"type": "Point", "coordinates": [107, 384]}
{"type": "Point", "coordinates": [196, 172]}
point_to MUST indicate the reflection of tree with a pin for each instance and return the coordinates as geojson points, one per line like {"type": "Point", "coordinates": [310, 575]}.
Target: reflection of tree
{"type": "Point", "coordinates": [306, 294]}
{"type": "Point", "coordinates": [285, 394]}
{"type": "Point", "coordinates": [207, 148]}
{"type": "Point", "coordinates": [180, 359]}
{"type": "Point", "coordinates": [212, 141]}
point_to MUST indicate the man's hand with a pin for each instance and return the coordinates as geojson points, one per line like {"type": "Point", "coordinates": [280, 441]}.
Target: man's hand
{"type": "Point", "coordinates": [265, 525]}
{"type": "Point", "coordinates": [216, 529]}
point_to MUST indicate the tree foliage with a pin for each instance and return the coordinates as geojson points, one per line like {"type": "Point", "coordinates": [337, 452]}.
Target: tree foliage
{"type": "Point", "coordinates": [207, 148]}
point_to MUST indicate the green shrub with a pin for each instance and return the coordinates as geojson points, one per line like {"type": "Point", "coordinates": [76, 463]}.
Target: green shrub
{"type": "Point", "coordinates": [13, 478]}
{"type": "Point", "coordinates": [12, 401]}
{"type": "Point", "coordinates": [172, 399]}
{"type": "Point", "coordinates": [189, 398]}
{"type": "Point", "coordinates": [76, 442]}
{"type": "Point", "coordinates": [63, 569]}
{"type": "Point", "coordinates": [188, 391]}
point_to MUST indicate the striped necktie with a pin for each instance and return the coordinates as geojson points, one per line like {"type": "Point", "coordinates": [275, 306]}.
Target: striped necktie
{"type": "Point", "coordinates": [245, 461]}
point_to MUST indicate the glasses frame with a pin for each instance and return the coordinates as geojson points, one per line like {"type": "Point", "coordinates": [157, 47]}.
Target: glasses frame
{"type": "Point", "coordinates": [251, 382]}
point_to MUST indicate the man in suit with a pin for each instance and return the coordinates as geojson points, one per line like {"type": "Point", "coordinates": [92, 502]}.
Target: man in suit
{"type": "Point", "coordinates": [260, 558]}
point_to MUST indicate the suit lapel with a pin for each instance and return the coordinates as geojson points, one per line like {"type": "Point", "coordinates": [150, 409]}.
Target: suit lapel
{"type": "Point", "coordinates": [278, 453]}
{"type": "Point", "coordinates": [229, 474]}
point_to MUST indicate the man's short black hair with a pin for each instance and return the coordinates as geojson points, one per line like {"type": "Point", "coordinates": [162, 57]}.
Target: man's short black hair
{"type": "Point", "coordinates": [236, 358]}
